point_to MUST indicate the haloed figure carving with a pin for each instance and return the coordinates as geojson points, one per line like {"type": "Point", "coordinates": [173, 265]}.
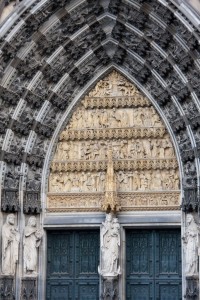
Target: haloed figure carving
{"type": "Point", "coordinates": [110, 243]}
{"type": "Point", "coordinates": [190, 239]}
{"type": "Point", "coordinates": [10, 246]}
{"type": "Point", "coordinates": [32, 239]}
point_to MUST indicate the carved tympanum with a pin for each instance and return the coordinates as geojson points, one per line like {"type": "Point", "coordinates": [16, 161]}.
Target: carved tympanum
{"type": "Point", "coordinates": [116, 116]}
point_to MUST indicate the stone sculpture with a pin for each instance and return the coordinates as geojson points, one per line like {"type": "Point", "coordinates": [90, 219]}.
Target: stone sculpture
{"type": "Point", "coordinates": [190, 238]}
{"type": "Point", "coordinates": [10, 246]}
{"type": "Point", "coordinates": [32, 239]}
{"type": "Point", "coordinates": [110, 243]}
{"type": "Point", "coordinates": [114, 117]}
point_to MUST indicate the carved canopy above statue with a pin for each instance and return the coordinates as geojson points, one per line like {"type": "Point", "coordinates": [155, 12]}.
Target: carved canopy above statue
{"type": "Point", "coordinates": [114, 115]}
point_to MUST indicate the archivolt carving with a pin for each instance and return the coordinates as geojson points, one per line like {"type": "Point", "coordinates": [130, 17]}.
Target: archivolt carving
{"type": "Point", "coordinates": [146, 48]}
{"type": "Point", "coordinates": [141, 158]}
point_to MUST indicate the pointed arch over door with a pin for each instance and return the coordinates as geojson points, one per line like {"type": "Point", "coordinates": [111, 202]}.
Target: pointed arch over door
{"type": "Point", "coordinates": [114, 114]}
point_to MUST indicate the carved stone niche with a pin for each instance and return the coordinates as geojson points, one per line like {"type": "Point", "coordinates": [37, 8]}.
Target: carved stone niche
{"type": "Point", "coordinates": [28, 290]}
{"type": "Point", "coordinates": [191, 199]}
{"type": "Point", "coordinates": [192, 290]}
{"type": "Point", "coordinates": [110, 290]}
{"type": "Point", "coordinates": [7, 288]}
{"type": "Point", "coordinates": [10, 200]}
{"type": "Point", "coordinates": [32, 203]}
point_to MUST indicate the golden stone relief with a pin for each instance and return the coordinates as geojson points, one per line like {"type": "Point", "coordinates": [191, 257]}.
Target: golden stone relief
{"type": "Point", "coordinates": [126, 201]}
{"type": "Point", "coordinates": [122, 149]}
{"type": "Point", "coordinates": [114, 118]}
{"type": "Point", "coordinates": [151, 180]}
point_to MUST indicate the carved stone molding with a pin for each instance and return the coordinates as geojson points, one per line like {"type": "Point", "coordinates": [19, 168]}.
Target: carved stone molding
{"type": "Point", "coordinates": [127, 201]}
{"type": "Point", "coordinates": [109, 102]}
{"type": "Point", "coordinates": [139, 164]}
{"type": "Point", "coordinates": [28, 289]}
{"type": "Point", "coordinates": [7, 288]}
{"type": "Point", "coordinates": [10, 200]}
{"type": "Point", "coordinates": [191, 200]}
{"type": "Point", "coordinates": [113, 133]}
{"type": "Point", "coordinates": [32, 202]}
{"type": "Point", "coordinates": [74, 202]}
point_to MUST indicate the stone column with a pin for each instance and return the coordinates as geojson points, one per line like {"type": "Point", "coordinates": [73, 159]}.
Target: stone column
{"type": "Point", "coordinates": [109, 268]}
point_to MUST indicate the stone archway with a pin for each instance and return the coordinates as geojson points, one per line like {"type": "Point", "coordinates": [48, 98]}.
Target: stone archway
{"type": "Point", "coordinates": [114, 115]}
{"type": "Point", "coordinates": [51, 52]}
{"type": "Point", "coordinates": [114, 154]}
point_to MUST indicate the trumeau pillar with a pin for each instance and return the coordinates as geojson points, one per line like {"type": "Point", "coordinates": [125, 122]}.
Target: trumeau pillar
{"type": "Point", "coordinates": [109, 268]}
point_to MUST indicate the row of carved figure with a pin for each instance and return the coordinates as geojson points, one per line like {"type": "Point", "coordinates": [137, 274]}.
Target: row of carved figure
{"type": "Point", "coordinates": [122, 149]}
{"type": "Point", "coordinates": [114, 118]}
{"type": "Point", "coordinates": [110, 243]}
{"type": "Point", "coordinates": [10, 246]}
{"type": "Point", "coordinates": [126, 181]}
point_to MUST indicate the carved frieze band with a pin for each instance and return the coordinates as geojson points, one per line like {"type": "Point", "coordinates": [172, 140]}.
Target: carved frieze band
{"type": "Point", "coordinates": [128, 201]}
{"type": "Point", "coordinates": [137, 164]}
{"type": "Point", "coordinates": [114, 121]}
{"type": "Point", "coordinates": [109, 102]}
{"type": "Point", "coordinates": [113, 133]}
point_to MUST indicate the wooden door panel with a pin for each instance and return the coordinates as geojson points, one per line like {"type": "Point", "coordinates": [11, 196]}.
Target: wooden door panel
{"type": "Point", "coordinates": [153, 264]}
{"type": "Point", "coordinates": [141, 290]}
{"type": "Point", "coordinates": [72, 265]}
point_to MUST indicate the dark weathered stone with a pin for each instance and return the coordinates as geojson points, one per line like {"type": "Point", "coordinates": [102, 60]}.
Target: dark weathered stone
{"type": "Point", "coordinates": [28, 289]}
{"type": "Point", "coordinates": [10, 200]}
{"type": "Point", "coordinates": [32, 202]}
{"type": "Point", "coordinates": [7, 288]}
{"type": "Point", "coordinates": [192, 288]}
{"type": "Point", "coordinates": [110, 288]}
{"type": "Point", "coordinates": [190, 199]}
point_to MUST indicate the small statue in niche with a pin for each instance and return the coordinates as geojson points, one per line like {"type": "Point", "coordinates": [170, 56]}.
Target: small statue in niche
{"type": "Point", "coordinates": [190, 238]}
{"type": "Point", "coordinates": [110, 243]}
{"type": "Point", "coordinates": [10, 246]}
{"type": "Point", "coordinates": [32, 239]}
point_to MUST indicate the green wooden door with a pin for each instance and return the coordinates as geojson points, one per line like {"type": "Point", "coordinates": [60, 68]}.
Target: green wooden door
{"type": "Point", "coordinates": [153, 264]}
{"type": "Point", "coordinates": [72, 265]}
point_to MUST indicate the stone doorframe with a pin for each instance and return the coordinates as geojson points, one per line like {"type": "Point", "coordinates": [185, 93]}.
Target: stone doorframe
{"type": "Point", "coordinates": [130, 220]}
{"type": "Point", "coordinates": [46, 219]}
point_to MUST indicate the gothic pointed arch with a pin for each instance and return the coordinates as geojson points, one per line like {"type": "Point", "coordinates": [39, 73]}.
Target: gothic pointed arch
{"type": "Point", "coordinates": [53, 52]}
{"type": "Point", "coordinates": [114, 154]}
{"type": "Point", "coordinates": [48, 56]}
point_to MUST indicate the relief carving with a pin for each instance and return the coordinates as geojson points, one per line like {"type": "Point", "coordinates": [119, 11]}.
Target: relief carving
{"type": "Point", "coordinates": [114, 118]}
{"type": "Point", "coordinates": [151, 180]}
{"type": "Point", "coordinates": [122, 149]}
{"type": "Point", "coordinates": [65, 202]}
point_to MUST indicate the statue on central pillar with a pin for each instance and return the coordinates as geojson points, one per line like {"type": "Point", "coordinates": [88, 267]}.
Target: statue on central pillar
{"type": "Point", "coordinates": [109, 268]}
{"type": "Point", "coordinates": [110, 243]}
